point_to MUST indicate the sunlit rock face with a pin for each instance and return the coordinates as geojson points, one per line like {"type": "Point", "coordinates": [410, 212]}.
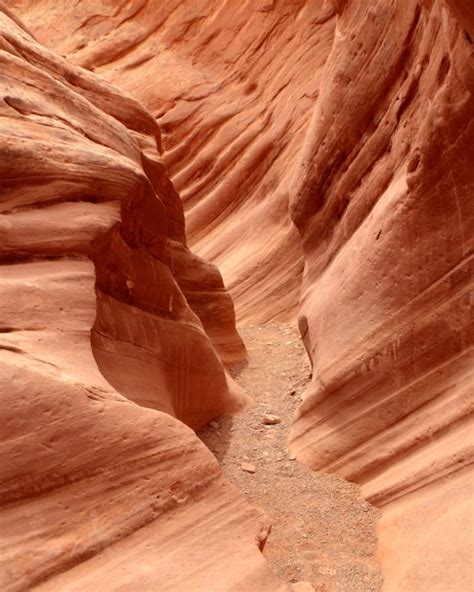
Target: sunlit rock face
{"type": "Point", "coordinates": [102, 307]}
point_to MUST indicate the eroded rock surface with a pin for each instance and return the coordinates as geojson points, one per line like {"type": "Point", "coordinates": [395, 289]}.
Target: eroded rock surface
{"type": "Point", "coordinates": [233, 86]}
{"type": "Point", "coordinates": [95, 490]}
{"type": "Point", "coordinates": [383, 202]}
{"type": "Point", "coordinates": [372, 149]}
{"type": "Point", "coordinates": [82, 179]}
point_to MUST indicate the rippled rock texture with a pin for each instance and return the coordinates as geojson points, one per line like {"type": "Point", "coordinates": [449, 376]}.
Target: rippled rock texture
{"type": "Point", "coordinates": [233, 86]}
{"type": "Point", "coordinates": [95, 490]}
{"type": "Point", "coordinates": [384, 204]}
{"type": "Point", "coordinates": [355, 121]}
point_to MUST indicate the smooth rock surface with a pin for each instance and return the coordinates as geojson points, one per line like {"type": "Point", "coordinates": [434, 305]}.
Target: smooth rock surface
{"type": "Point", "coordinates": [73, 191]}
{"type": "Point", "coordinates": [384, 204]}
{"type": "Point", "coordinates": [361, 119]}
{"type": "Point", "coordinates": [95, 490]}
{"type": "Point", "coordinates": [233, 86]}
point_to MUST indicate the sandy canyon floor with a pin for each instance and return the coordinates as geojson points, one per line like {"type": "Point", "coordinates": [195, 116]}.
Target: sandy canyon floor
{"type": "Point", "coordinates": [323, 532]}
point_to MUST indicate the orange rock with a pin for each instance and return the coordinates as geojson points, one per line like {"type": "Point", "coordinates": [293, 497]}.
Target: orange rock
{"type": "Point", "coordinates": [233, 89]}
{"type": "Point", "coordinates": [77, 192]}
{"type": "Point", "coordinates": [383, 202]}
{"type": "Point", "coordinates": [368, 135]}
{"type": "Point", "coordinates": [96, 491]}
{"type": "Point", "coordinates": [248, 468]}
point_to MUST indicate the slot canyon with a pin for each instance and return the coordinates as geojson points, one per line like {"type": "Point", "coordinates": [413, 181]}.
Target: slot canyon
{"type": "Point", "coordinates": [236, 295]}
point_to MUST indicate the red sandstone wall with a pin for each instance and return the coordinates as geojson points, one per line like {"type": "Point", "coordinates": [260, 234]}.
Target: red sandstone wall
{"type": "Point", "coordinates": [90, 482]}
{"type": "Point", "coordinates": [236, 88]}
{"type": "Point", "coordinates": [371, 147]}
{"type": "Point", "coordinates": [384, 204]}
{"type": "Point", "coordinates": [82, 178]}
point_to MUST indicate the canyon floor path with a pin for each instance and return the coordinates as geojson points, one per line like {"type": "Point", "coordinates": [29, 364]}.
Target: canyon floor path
{"type": "Point", "coordinates": [322, 531]}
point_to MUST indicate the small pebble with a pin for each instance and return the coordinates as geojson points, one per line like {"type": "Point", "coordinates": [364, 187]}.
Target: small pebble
{"type": "Point", "coordinates": [248, 468]}
{"type": "Point", "coordinates": [327, 571]}
{"type": "Point", "coordinates": [269, 419]}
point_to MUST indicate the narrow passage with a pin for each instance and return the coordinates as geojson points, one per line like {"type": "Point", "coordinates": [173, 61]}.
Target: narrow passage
{"type": "Point", "coordinates": [322, 531]}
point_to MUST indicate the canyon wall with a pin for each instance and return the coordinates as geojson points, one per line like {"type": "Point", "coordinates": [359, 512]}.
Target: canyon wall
{"type": "Point", "coordinates": [384, 204]}
{"type": "Point", "coordinates": [358, 118]}
{"type": "Point", "coordinates": [233, 85]}
{"type": "Point", "coordinates": [96, 490]}
{"type": "Point", "coordinates": [82, 180]}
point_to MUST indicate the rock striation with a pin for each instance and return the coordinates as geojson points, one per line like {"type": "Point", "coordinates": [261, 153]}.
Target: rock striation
{"type": "Point", "coordinates": [383, 202]}
{"type": "Point", "coordinates": [233, 87]}
{"type": "Point", "coordinates": [355, 123]}
{"type": "Point", "coordinates": [73, 192]}
{"type": "Point", "coordinates": [103, 306]}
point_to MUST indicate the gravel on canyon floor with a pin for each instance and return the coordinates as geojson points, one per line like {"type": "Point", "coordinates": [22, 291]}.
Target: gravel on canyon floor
{"type": "Point", "coordinates": [322, 530]}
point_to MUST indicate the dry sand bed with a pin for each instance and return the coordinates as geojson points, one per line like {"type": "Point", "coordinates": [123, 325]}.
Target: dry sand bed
{"type": "Point", "coordinates": [323, 532]}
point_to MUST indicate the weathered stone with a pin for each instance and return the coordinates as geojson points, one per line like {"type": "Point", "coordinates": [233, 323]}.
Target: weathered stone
{"type": "Point", "coordinates": [248, 467]}
{"type": "Point", "coordinates": [269, 419]}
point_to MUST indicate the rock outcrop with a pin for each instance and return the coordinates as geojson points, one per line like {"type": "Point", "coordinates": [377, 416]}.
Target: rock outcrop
{"type": "Point", "coordinates": [384, 204]}
{"type": "Point", "coordinates": [95, 490]}
{"type": "Point", "coordinates": [233, 87]}
{"type": "Point", "coordinates": [82, 179]}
